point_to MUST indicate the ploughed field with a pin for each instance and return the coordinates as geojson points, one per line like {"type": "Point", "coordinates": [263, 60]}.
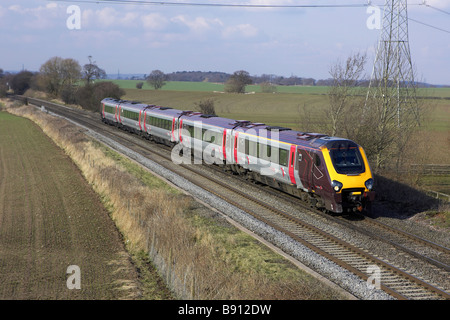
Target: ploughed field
{"type": "Point", "coordinates": [51, 219]}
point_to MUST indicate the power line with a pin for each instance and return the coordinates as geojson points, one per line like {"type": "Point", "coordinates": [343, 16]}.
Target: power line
{"type": "Point", "coordinates": [428, 25]}
{"type": "Point", "coordinates": [136, 2]}
{"type": "Point", "coordinates": [230, 5]}
{"type": "Point", "coordinates": [429, 6]}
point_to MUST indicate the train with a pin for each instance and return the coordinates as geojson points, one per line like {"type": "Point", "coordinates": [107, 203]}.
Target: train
{"type": "Point", "coordinates": [329, 173]}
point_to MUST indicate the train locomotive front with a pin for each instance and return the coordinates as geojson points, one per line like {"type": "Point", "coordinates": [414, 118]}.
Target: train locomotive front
{"type": "Point", "coordinates": [350, 177]}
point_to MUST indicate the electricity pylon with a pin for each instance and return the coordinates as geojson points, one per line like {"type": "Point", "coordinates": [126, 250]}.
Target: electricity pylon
{"type": "Point", "coordinates": [392, 82]}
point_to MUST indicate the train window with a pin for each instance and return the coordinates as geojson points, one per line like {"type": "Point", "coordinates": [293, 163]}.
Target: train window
{"type": "Point", "coordinates": [346, 158]}
{"type": "Point", "coordinates": [109, 109]}
{"type": "Point", "coordinates": [265, 151]}
{"type": "Point", "coordinates": [189, 129]}
{"type": "Point", "coordinates": [218, 139]}
{"type": "Point", "coordinates": [283, 156]}
{"type": "Point", "coordinates": [253, 148]}
{"type": "Point", "coordinates": [247, 146]}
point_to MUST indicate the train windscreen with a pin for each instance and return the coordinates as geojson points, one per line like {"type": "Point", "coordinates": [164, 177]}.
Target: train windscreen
{"type": "Point", "coordinates": [346, 157]}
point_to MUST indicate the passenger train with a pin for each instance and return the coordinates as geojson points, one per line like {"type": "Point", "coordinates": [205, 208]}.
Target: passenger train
{"type": "Point", "coordinates": [328, 172]}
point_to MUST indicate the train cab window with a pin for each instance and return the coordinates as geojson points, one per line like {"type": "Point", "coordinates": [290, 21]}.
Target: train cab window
{"type": "Point", "coordinates": [346, 157]}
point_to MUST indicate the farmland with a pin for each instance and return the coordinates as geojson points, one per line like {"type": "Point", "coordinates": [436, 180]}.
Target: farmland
{"type": "Point", "coordinates": [50, 219]}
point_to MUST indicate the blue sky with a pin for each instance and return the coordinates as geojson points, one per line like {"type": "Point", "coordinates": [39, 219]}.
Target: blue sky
{"type": "Point", "coordinates": [303, 42]}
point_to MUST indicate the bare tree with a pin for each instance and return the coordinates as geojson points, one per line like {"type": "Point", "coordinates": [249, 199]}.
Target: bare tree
{"type": "Point", "coordinates": [346, 79]}
{"type": "Point", "coordinates": [91, 71]}
{"type": "Point", "coordinates": [57, 73]}
{"type": "Point", "coordinates": [157, 79]}
{"type": "Point", "coordinates": [394, 111]}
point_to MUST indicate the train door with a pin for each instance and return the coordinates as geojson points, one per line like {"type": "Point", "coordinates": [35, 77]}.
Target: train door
{"type": "Point", "coordinates": [174, 126]}
{"type": "Point", "coordinates": [235, 148]}
{"type": "Point", "coordinates": [229, 146]}
{"type": "Point", "coordinates": [304, 160]}
{"type": "Point", "coordinates": [317, 172]}
{"type": "Point", "coordinates": [145, 121]}
{"type": "Point", "coordinates": [291, 163]}
{"type": "Point", "coordinates": [224, 139]}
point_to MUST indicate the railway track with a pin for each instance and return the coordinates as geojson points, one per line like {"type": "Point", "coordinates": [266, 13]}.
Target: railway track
{"type": "Point", "coordinates": [394, 280]}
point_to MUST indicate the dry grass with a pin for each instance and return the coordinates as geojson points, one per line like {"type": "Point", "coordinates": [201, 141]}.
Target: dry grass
{"type": "Point", "coordinates": [199, 257]}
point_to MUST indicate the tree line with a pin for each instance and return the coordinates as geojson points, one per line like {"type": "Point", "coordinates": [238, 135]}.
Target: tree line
{"type": "Point", "coordinates": [65, 79]}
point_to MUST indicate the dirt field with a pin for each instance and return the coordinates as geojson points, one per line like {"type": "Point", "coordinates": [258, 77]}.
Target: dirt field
{"type": "Point", "coordinates": [50, 219]}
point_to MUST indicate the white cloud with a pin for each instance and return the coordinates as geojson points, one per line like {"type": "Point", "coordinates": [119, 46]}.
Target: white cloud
{"type": "Point", "coordinates": [41, 17]}
{"type": "Point", "coordinates": [16, 8]}
{"type": "Point", "coordinates": [199, 24]}
{"type": "Point", "coordinates": [109, 17]}
{"type": "Point", "coordinates": [106, 17]}
{"type": "Point", "coordinates": [241, 30]}
{"type": "Point", "coordinates": [154, 21]}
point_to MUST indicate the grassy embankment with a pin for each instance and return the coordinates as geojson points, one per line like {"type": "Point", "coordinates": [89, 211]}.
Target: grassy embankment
{"type": "Point", "coordinates": [198, 254]}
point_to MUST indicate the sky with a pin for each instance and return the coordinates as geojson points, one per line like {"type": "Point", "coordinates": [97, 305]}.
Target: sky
{"type": "Point", "coordinates": [289, 41]}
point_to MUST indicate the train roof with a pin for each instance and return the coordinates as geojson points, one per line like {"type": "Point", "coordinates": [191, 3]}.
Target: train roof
{"type": "Point", "coordinates": [287, 135]}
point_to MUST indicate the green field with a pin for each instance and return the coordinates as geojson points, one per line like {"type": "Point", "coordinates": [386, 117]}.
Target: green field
{"type": "Point", "coordinates": [219, 87]}
{"type": "Point", "coordinates": [284, 108]}
{"type": "Point", "coordinates": [273, 109]}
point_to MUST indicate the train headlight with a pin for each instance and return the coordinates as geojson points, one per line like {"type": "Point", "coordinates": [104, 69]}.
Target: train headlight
{"type": "Point", "coordinates": [337, 186]}
{"type": "Point", "coordinates": [369, 184]}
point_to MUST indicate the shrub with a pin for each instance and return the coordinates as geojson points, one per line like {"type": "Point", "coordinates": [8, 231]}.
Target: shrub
{"type": "Point", "coordinates": [206, 106]}
{"type": "Point", "coordinates": [89, 96]}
